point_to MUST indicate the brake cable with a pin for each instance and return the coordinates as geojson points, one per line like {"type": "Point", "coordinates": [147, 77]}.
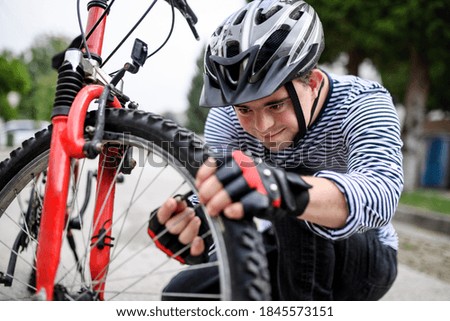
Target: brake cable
{"type": "Point", "coordinates": [99, 20]}
{"type": "Point", "coordinates": [129, 32]}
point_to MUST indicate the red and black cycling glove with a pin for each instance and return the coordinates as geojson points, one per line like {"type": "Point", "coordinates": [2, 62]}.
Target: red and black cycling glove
{"type": "Point", "coordinates": [265, 191]}
{"type": "Point", "coordinates": [169, 243]}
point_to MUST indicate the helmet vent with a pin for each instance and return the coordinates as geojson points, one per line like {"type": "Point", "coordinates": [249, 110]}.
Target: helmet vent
{"type": "Point", "coordinates": [232, 49]}
{"type": "Point", "coordinates": [262, 17]}
{"type": "Point", "coordinates": [297, 14]}
{"type": "Point", "coordinates": [218, 31]}
{"type": "Point", "coordinates": [240, 18]}
{"type": "Point", "coordinates": [233, 70]}
{"type": "Point", "coordinates": [209, 69]}
{"type": "Point", "coordinates": [270, 47]}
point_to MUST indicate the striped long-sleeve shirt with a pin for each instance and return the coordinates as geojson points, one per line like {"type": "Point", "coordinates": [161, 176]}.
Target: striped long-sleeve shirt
{"type": "Point", "coordinates": [355, 142]}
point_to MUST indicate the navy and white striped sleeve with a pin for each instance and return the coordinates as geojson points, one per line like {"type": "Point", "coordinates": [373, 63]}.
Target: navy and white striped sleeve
{"type": "Point", "coordinates": [220, 132]}
{"type": "Point", "coordinates": [374, 179]}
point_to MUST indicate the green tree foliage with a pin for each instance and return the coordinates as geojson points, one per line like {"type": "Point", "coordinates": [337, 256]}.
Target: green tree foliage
{"type": "Point", "coordinates": [14, 77]}
{"type": "Point", "coordinates": [196, 115]}
{"type": "Point", "coordinates": [37, 103]}
{"type": "Point", "coordinates": [408, 43]}
{"type": "Point", "coordinates": [397, 36]}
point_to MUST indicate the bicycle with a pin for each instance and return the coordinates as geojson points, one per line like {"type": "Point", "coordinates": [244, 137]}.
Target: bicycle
{"type": "Point", "coordinates": [56, 244]}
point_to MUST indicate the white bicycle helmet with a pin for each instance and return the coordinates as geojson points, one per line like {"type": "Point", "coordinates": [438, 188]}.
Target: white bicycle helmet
{"type": "Point", "coordinates": [260, 48]}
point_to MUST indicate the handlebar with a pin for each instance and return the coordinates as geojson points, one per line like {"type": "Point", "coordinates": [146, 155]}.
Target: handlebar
{"type": "Point", "coordinates": [187, 13]}
{"type": "Point", "coordinates": [91, 67]}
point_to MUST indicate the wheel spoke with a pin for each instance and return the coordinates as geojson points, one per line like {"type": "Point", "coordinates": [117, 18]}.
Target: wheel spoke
{"type": "Point", "coordinates": [137, 268]}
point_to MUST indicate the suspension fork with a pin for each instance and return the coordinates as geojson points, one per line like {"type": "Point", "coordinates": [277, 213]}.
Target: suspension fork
{"type": "Point", "coordinates": [53, 213]}
{"type": "Point", "coordinates": [68, 142]}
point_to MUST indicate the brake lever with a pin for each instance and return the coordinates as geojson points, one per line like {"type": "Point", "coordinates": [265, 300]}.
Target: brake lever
{"type": "Point", "coordinates": [187, 13]}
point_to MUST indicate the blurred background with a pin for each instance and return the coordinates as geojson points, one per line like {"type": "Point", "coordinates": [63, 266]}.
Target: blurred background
{"type": "Point", "coordinates": [402, 44]}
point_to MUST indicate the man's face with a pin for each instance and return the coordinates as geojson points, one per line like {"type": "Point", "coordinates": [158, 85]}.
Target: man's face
{"type": "Point", "coordinates": [271, 119]}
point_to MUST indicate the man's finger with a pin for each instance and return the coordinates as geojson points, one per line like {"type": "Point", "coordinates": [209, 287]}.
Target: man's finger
{"type": "Point", "coordinates": [169, 207]}
{"type": "Point", "coordinates": [178, 222]}
{"type": "Point", "coordinates": [205, 171]}
{"type": "Point", "coordinates": [208, 189]}
{"type": "Point", "coordinates": [166, 210]}
{"type": "Point", "coordinates": [218, 203]}
{"type": "Point", "coordinates": [198, 246]}
{"type": "Point", "coordinates": [190, 231]}
{"type": "Point", "coordinates": [234, 211]}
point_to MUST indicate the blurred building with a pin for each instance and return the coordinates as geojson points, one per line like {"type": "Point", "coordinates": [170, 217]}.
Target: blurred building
{"type": "Point", "coordinates": [436, 165]}
{"type": "Point", "coordinates": [14, 132]}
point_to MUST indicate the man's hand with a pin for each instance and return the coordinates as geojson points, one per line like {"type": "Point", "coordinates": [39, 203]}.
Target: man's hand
{"type": "Point", "coordinates": [242, 187]}
{"type": "Point", "coordinates": [175, 225]}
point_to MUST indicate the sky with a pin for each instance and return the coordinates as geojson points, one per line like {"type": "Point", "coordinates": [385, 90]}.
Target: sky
{"type": "Point", "coordinates": [163, 83]}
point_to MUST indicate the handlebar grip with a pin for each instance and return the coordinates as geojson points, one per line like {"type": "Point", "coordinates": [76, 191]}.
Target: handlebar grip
{"type": "Point", "coordinates": [187, 13]}
{"type": "Point", "coordinates": [184, 8]}
{"type": "Point", "coordinates": [191, 13]}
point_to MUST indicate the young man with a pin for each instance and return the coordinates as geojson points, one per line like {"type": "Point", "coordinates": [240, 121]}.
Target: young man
{"type": "Point", "coordinates": [326, 163]}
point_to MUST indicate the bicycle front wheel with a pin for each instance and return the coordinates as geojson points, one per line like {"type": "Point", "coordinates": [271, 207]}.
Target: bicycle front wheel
{"type": "Point", "coordinates": [166, 158]}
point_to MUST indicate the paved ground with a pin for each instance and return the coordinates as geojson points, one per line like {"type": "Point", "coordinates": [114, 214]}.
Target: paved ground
{"type": "Point", "coordinates": [424, 270]}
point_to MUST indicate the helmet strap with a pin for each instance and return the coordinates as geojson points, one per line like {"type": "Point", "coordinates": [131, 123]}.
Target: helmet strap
{"type": "Point", "coordinates": [298, 111]}
{"type": "Point", "coordinates": [302, 128]}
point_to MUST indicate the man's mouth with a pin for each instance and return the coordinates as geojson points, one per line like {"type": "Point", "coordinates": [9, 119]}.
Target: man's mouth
{"type": "Point", "coordinates": [271, 136]}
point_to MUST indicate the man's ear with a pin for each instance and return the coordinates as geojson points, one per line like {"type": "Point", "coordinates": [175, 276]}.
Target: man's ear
{"type": "Point", "coordinates": [315, 80]}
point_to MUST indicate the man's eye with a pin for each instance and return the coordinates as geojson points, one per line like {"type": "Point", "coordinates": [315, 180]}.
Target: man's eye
{"type": "Point", "coordinates": [243, 111]}
{"type": "Point", "coordinates": [276, 106]}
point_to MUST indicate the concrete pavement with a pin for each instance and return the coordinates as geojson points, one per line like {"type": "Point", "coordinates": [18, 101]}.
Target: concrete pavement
{"type": "Point", "coordinates": [413, 285]}
{"type": "Point", "coordinates": [424, 269]}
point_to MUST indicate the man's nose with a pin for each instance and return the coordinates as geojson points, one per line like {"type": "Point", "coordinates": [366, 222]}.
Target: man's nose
{"type": "Point", "coordinates": [263, 122]}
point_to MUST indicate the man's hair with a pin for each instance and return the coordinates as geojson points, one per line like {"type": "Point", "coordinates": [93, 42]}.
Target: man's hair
{"type": "Point", "coordinates": [306, 77]}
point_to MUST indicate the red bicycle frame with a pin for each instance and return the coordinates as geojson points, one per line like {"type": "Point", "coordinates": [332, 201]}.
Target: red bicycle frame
{"type": "Point", "coordinates": [66, 144]}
